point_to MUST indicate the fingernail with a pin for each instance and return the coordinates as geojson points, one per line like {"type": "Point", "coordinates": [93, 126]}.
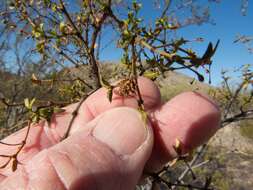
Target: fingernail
{"type": "Point", "coordinates": [122, 129]}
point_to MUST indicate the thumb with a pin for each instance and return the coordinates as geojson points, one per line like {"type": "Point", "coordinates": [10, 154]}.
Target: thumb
{"type": "Point", "coordinates": [108, 153]}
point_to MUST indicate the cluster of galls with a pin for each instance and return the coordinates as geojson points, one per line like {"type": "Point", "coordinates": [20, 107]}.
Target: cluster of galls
{"type": "Point", "coordinates": [127, 87]}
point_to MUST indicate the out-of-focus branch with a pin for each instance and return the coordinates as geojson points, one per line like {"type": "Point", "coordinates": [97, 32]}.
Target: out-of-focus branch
{"type": "Point", "coordinates": [244, 115]}
{"type": "Point", "coordinates": [65, 55]}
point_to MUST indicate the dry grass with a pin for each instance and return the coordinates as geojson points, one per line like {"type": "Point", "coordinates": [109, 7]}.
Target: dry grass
{"type": "Point", "coordinates": [246, 129]}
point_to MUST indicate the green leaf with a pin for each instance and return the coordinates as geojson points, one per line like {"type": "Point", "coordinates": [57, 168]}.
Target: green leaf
{"type": "Point", "coordinates": [41, 26]}
{"type": "Point", "coordinates": [58, 110]}
{"type": "Point", "coordinates": [54, 7]}
{"type": "Point", "coordinates": [27, 104]}
{"type": "Point", "coordinates": [35, 118]}
{"type": "Point", "coordinates": [151, 74]}
{"type": "Point", "coordinates": [31, 103]}
{"type": "Point", "coordinates": [62, 27]}
{"type": "Point", "coordinates": [40, 46]}
{"type": "Point", "coordinates": [53, 33]}
{"type": "Point", "coordinates": [36, 33]}
{"type": "Point", "coordinates": [126, 33]}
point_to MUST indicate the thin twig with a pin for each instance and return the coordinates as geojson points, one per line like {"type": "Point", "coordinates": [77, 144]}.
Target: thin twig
{"type": "Point", "coordinates": [15, 155]}
{"type": "Point", "coordinates": [75, 113]}
{"type": "Point", "coordinates": [65, 55]}
{"type": "Point", "coordinates": [64, 10]}
{"type": "Point", "coordinates": [194, 160]}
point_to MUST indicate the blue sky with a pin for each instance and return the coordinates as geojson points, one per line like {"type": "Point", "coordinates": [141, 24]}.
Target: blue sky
{"type": "Point", "coordinates": [228, 23]}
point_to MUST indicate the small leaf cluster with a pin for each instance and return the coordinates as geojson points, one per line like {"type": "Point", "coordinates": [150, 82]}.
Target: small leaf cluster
{"type": "Point", "coordinates": [38, 113]}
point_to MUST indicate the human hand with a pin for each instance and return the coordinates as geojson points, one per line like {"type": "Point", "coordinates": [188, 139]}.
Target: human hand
{"type": "Point", "coordinates": [109, 145]}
